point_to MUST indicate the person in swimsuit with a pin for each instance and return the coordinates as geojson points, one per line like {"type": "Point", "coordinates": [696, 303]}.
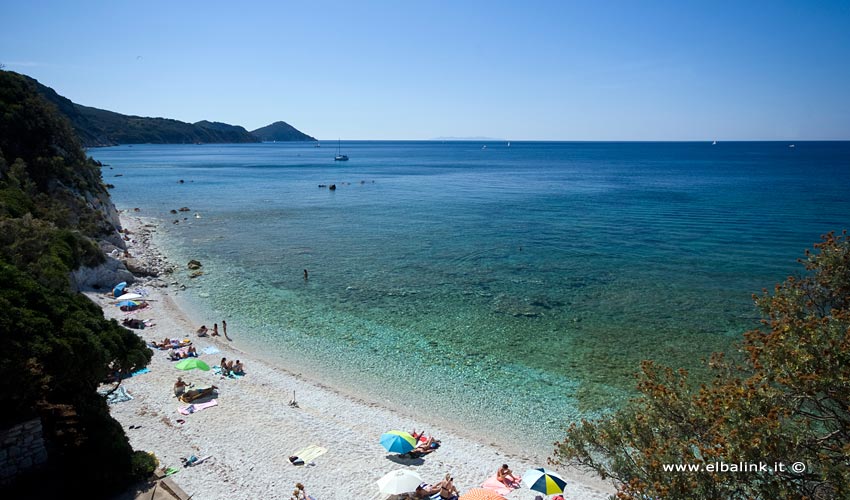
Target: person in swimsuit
{"type": "Point", "coordinates": [448, 490]}
{"type": "Point", "coordinates": [506, 477]}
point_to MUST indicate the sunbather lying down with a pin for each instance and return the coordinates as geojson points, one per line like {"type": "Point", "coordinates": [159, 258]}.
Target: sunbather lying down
{"type": "Point", "coordinates": [168, 343]}
{"type": "Point", "coordinates": [193, 394]}
{"type": "Point", "coordinates": [423, 448]}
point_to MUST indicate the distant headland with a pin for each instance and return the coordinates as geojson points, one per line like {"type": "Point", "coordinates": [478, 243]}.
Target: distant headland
{"type": "Point", "coordinates": [466, 139]}
{"type": "Point", "coordinates": [98, 127]}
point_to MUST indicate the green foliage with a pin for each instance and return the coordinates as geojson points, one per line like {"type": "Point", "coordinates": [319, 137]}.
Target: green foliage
{"type": "Point", "coordinates": [144, 464]}
{"type": "Point", "coordinates": [57, 346]}
{"type": "Point", "coordinates": [787, 401]}
{"type": "Point", "coordinates": [47, 163]}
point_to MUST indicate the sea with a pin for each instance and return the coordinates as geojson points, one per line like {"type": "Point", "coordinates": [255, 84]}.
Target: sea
{"type": "Point", "coordinates": [503, 291]}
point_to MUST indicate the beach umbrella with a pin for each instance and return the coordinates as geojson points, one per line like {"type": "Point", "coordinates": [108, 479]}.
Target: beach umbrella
{"type": "Point", "coordinates": [399, 481]}
{"type": "Point", "coordinates": [398, 441]}
{"type": "Point", "coordinates": [119, 289]}
{"type": "Point", "coordinates": [481, 494]}
{"type": "Point", "coordinates": [544, 481]}
{"type": "Point", "coordinates": [129, 296]}
{"type": "Point", "coordinates": [191, 364]}
{"type": "Point", "coordinates": [128, 303]}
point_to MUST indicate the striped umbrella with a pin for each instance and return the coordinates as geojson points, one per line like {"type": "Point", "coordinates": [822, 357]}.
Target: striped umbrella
{"type": "Point", "coordinates": [481, 494]}
{"type": "Point", "coordinates": [544, 481]}
{"type": "Point", "coordinates": [398, 441]}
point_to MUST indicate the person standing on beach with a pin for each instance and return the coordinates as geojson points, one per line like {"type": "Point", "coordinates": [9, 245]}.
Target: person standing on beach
{"type": "Point", "coordinates": [215, 330]}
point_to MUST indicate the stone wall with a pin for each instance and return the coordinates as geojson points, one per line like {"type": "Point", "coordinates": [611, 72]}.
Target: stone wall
{"type": "Point", "coordinates": [21, 449]}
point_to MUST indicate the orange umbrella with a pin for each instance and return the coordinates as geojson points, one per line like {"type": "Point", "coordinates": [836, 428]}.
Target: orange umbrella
{"type": "Point", "coordinates": [481, 494]}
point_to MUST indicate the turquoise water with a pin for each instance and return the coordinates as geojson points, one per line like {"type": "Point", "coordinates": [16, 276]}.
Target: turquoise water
{"type": "Point", "coordinates": [512, 288]}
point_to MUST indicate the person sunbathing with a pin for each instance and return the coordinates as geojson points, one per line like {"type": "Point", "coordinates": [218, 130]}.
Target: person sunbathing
{"type": "Point", "coordinates": [165, 344]}
{"type": "Point", "coordinates": [448, 490]}
{"type": "Point", "coordinates": [193, 394]}
{"type": "Point", "coordinates": [191, 352]}
{"type": "Point", "coordinates": [176, 355]}
{"type": "Point", "coordinates": [425, 490]}
{"type": "Point", "coordinates": [180, 387]}
{"type": "Point", "coordinates": [225, 370]}
{"type": "Point", "coordinates": [428, 445]}
{"type": "Point", "coordinates": [238, 368]}
{"type": "Point", "coordinates": [506, 477]}
{"type": "Point", "coordinates": [202, 331]}
{"type": "Point", "coordinates": [423, 448]}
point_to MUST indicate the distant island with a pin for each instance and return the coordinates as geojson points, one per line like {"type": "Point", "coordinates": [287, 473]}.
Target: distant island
{"type": "Point", "coordinates": [98, 127]}
{"type": "Point", "coordinates": [491, 139]}
{"type": "Point", "coordinates": [280, 131]}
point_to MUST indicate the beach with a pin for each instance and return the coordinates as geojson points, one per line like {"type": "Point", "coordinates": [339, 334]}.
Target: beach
{"type": "Point", "coordinates": [254, 429]}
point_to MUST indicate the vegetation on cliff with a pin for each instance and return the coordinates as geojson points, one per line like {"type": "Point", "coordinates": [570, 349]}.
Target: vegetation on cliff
{"type": "Point", "coordinates": [57, 346]}
{"type": "Point", "coordinates": [783, 411]}
{"type": "Point", "coordinates": [99, 127]}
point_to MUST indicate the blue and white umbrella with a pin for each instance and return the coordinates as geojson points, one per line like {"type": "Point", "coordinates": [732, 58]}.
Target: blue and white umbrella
{"type": "Point", "coordinates": [544, 481]}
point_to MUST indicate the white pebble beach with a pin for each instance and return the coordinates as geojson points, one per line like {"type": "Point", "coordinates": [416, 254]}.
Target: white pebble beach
{"type": "Point", "coordinates": [253, 430]}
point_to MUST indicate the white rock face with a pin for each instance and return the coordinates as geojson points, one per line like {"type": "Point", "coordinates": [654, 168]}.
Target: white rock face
{"type": "Point", "coordinates": [106, 275]}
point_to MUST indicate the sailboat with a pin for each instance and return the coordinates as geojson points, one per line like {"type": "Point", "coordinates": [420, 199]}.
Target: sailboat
{"type": "Point", "coordinates": [714, 143]}
{"type": "Point", "coordinates": [339, 156]}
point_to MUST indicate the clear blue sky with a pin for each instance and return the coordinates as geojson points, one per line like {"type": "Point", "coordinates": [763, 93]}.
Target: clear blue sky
{"type": "Point", "coordinates": [564, 70]}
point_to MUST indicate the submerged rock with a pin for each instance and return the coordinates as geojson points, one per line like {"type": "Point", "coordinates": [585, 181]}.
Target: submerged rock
{"type": "Point", "coordinates": [194, 264]}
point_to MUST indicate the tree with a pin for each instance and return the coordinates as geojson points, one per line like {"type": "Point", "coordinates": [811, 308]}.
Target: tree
{"type": "Point", "coordinates": [783, 409]}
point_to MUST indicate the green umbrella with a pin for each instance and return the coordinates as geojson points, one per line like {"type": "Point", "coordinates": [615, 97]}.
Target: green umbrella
{"type": "Point", "coordinates": [191, 364]}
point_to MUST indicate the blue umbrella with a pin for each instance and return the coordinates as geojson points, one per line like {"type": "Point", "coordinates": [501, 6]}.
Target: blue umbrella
{"type": "Point", "coordinates": [128, 303]}
{"type": "Point", "coordinates": [398, 441]}
{"type": "Point", "coordinates": [119, 289]}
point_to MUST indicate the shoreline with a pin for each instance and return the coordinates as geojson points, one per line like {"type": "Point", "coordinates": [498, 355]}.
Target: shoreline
{"type": "Point", "coordinates": [253, 430]}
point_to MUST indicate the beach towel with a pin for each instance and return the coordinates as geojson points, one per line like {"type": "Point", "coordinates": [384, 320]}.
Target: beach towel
{"type": "Point", "coordinates": [211, 350]}
{"type": "Point", "coordinates": [310, 453]}
{"type": "Point", "coordinates": [194, 408]}
{"type": "Point", "coordinates": [137, 372]}
{"type": "Point", "coordinates": [217, 371]}
{"type": "Point", "coordinates": [119, 396]}
{"type": "Point", "coordinates": [494, 484]}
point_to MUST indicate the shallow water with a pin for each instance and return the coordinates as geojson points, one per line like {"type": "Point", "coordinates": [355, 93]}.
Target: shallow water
{"type": "Point", "coordinates": [515, 288]}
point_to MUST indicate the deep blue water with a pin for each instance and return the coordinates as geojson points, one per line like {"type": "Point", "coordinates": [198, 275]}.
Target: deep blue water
{"type": "Point", "coordinates": [516, 287]}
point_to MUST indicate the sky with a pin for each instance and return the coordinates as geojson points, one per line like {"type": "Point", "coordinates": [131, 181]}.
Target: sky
{"type": "Point", "coordinates": [533, 70]}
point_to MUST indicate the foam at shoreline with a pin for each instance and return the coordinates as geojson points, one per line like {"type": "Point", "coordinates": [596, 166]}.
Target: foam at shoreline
{"type": "Point", "coordinates": [253, 430]}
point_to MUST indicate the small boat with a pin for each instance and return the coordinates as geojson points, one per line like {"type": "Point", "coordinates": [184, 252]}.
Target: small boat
{"type": "Point", "coordinates": [484, 147]}
{"type": "Point", "coordinates": [339, 156]}
{"type": "Point", "coordinates": [714, 143]}
{"type": "Point", "coordinates": [791, 146]}
{"type": "Point", "coordinates": [509, 144]}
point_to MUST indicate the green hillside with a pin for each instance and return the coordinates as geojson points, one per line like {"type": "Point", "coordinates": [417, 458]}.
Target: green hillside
{"type": "Point", "coordinates": [99, 127]}
{"type": "Point", "coordinates": [280, 131]}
